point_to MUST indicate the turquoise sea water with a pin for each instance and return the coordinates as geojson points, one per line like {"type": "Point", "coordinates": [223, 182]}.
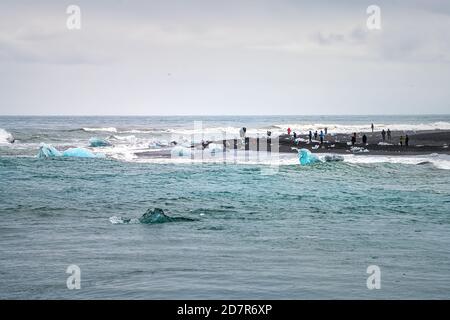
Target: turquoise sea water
{"type": "Point", "coordinates": [302, 232]}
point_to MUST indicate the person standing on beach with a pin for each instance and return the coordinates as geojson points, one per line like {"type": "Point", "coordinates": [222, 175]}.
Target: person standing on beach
{"type": "Point", "coordinates": [406, 141]}
{"type": "Point", "coordinates": [242, 132]}
{"type": "Point", "coordinates": [372, 127]}
{"type": "Point", "coordinates": [326, 130]}
{"type": "Point", "coordinates": [389, 134]}
{"type": "Point", "coordinates": [364, 139]}
{"type": "Point", "coordinates": [321, 137]}
{"type": "Point", "coordinates": [295, 135]}
{"type": "Point", "coordinates": [383, 135]}
{"type": "Point", "coordinates": [353, 138]}
{"type": "Point", "coordinates": [401, 141]}
{"type": "Point", "coordinates": [310, 136]}
{"type": "Point", "coordinates": [289, 131]}
{"type": "Point", "coordinates": [315, 135]}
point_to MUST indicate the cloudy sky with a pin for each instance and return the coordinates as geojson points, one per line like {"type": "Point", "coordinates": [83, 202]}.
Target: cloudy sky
{"type": "Point", "coordinates": [211, 57]}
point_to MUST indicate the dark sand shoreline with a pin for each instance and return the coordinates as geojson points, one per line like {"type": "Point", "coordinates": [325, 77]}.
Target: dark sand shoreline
{"type": "Point", "coordinates": [420, 143]}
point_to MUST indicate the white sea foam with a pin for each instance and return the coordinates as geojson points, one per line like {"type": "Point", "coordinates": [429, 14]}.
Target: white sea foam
{"type": "Point", "coordinates": [130, 138]}
{"type": "Point", "coordinates": [120, 220]}
{"type": "Point", "coordinates": [441, 161]}
{"type": "Point", "coordinates": [5, 137]}
{"type": "Point", "coordinates": [108, 129]}
{"type": "Point", "coordinates": [350, 128]}
{"type": "Point", "coordinates": [186, 156]}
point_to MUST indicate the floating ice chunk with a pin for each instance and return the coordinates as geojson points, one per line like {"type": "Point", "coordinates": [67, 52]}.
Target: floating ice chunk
{"type": "Point", "coordinates": [97, 142]}
{"type": "Point", "coordinates": [384, 144]}
{"type": "Point", "coordinates": [149, 217]}
{"type": "Point", "coordinates": [81, 153]}
{"type": "Point", "coordinates": [358, 150]}
{"type": "Point", "coordinates": [179, 151]}
{"type": "Point", "coordinates": [48, 151]}
{"type": "Point", "coordinates": [306, 157]}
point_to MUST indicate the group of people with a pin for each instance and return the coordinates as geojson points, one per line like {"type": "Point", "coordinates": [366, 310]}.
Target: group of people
{"type": "Point", "coordinates": [384, 133]}
{"type": "Point", "coordinates": [317, 135]}
{"type": "Point", "coordinates": [404, 140]}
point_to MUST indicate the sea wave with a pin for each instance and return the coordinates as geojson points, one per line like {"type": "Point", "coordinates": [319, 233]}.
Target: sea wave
{"type": "Point", "coordinates": [440, 161]}
{"type": "Point", "coordinates": [107, 129]}
{"type": "Point", "coordinates": [350, 128]}
{"type": "Point", "coordinates": [5, 137]}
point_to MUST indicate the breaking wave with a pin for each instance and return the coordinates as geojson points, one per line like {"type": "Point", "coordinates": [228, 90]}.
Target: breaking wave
{"type": "Point", "coordinates": [108, 129]}
{"type": "Point", "coordinates": [350, 128]}
{"type": "Point", "coordinates": [5, 136]}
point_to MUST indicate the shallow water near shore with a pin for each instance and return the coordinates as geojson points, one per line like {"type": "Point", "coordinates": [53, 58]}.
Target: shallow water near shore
{"type": "Point", "coordinates": [301, 232]}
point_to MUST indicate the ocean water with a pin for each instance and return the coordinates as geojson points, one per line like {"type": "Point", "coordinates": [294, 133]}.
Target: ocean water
{"type": "Point", "coordinates": [292, 232]}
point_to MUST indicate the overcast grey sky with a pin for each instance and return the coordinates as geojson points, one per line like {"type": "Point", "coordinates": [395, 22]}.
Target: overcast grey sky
{"type": "Point", "coordinates": [210, 57]}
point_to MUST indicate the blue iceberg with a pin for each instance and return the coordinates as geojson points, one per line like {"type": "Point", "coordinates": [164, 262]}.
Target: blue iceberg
{"type": "Point", "coordinates": [306, 157]}
{"type": "Point", "coordinates": [48, 151]}
{"type": "Point", "coordinates": [97, 142]}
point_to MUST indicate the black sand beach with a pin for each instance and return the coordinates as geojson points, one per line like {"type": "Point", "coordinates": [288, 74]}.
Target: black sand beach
{"type": "Point", "coordinates": [420, 142]}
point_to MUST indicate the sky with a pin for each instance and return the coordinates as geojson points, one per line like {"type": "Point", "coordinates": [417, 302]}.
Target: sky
{"type": "Point", "coordinates": [210, 57]}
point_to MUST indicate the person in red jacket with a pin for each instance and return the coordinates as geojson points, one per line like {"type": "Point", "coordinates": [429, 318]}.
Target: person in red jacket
{"type": "Point", "coordinates": [289, 131]}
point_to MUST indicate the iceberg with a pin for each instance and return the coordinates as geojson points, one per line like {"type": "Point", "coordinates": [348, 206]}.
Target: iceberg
{"type": "Point", "coordinates": [156, 215]}
{"type": "Point", "coordinates": [181, 152]}
{"type": "Point", "coordinates": [81, 153]}
{"type": "Point", "coordinates": [48, 151]}
{"type": "Point", "coordinates": [97, 142]}
{"type": "Point", "coordinates": [306, 157]}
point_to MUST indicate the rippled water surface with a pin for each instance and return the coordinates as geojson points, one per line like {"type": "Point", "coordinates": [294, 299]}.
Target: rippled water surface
{"type": "Point", "coordinates": [303, 232]}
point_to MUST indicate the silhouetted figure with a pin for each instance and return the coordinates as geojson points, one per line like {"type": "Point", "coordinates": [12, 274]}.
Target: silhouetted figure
{"type": "Point", "coordinates": [353, 138]}
{"type": "Point", "coordinates": [315, 135]}
{"type": "Point", "coordinates": [401, 141]}
{"type": "Point", "coordinates": [269, 133]}
{"type": "Point", "coordinates": [389, 134]}
{"type": "Point", "coordinates": [242, 132]}
{"type": "Point", "coordinates": [364, 139]}
{"type": "Point", "coordinates": [406, 140]}
{"type": "Point", "coordinates": [326, 130]}
{"type": "Point", "coordinates": [321, 136]}
{"type": "Point", "coordinates": [295, 135]}
{"type": "Point", "coordinates": [383, 135]}
{"type": "Point", "coordinates": [310, 136]}
{"type": "Point", "coordinates": [372, 127]}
